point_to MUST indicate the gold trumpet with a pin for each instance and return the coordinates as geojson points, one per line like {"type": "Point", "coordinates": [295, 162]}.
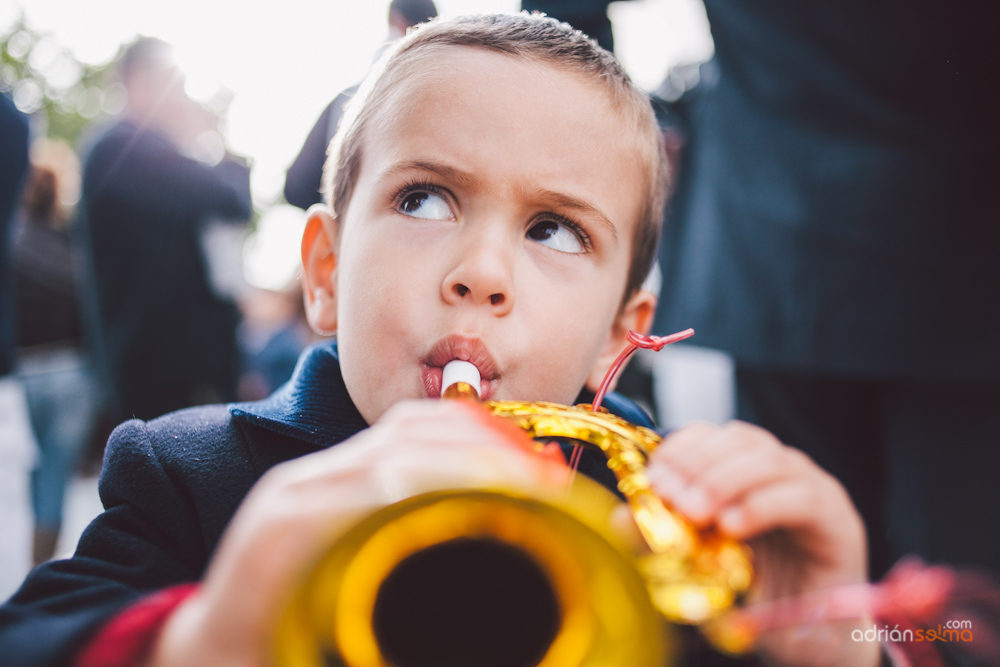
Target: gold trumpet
{"type": "Point", "coordinates": [495, 578]}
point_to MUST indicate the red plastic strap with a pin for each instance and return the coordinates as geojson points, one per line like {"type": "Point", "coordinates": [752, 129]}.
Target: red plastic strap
{"type": "Point", "coordinates": [915, 602]}
{"type": "Point", "coordinates": [635, 341]}
{"type": "Point", "coordinates": [127, 639]}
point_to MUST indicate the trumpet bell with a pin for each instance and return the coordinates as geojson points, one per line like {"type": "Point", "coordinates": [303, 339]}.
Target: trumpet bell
{"type": "Point", "coordinates": [476, 577]}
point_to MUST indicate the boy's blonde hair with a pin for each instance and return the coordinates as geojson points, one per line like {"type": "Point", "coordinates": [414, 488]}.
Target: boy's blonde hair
{"type": "Point", "coordinates": [526, 36]}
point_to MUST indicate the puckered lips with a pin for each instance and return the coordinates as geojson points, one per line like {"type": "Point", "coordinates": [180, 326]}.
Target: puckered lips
{"type": "Point", "coordinates": [464, 348]}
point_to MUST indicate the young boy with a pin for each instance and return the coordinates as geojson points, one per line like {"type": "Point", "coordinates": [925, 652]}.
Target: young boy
{"type": "Point", "coordinates": [495, 196]}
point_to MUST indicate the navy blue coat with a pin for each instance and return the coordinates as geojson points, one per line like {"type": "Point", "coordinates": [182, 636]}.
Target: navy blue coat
{"type": "Point", "coordinates": [169, 488]}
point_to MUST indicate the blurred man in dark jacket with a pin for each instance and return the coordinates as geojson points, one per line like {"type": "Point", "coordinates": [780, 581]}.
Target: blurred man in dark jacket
{"type": "Point", "coordinates": [169, 339]}
{"type": "Point", "coordinates": [836, 229]}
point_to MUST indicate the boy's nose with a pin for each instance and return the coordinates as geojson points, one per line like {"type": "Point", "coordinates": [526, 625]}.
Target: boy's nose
{"type": "Point", "coordinates": [496, 299]}
{"type": "Point", "coordinates": [481, 277]}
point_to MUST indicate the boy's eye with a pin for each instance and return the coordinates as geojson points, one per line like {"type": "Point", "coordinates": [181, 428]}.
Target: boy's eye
{"type": "Point", "coordinates": [425, 205]}
{"type": "Point", "coordinates": [556, 236]}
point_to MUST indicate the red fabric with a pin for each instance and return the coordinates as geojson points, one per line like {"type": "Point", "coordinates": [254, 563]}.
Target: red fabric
{"type": "Point", "coordinates": [127, 639]}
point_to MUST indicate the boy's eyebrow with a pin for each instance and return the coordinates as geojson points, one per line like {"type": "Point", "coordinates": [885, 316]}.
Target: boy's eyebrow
{"type": "Point", "coordinates": [547, 197]}
{"type": "Point", "coordinates": [560, 200]}
{"type": "Point", "coordinates": [464, 178]}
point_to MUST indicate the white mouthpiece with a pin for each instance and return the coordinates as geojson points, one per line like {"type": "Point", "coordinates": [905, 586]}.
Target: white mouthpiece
{"type": "Point", "coordinates": [460, 371]}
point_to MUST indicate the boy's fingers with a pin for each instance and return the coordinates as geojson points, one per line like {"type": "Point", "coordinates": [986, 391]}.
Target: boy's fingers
{"type": "Point", "coordinates": [688, 455]}
{"type": "Point", "coordinates": [427, 445]}
{"type": "Point", "coordinates": [729, 479]}
{"type": "Point", "coordinates": [788, 504]}
{"type": "Point", "coordinates": [686, 438]}
{"type": "Point", "coordinates": [818, 510]}
{"type": "Point", "coordinates": [402, 476]}
{"type": "Point", "coordinates": [454, 421]}
{"type": "Point", "coordinates": [408, 425]}
{"type": "Point", "coordinates": [694, 448]}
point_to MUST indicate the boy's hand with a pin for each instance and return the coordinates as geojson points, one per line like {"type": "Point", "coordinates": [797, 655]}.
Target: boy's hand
{"type": "Point", "coordinates": [301, 507]}
{"type": "Point", "coordinates": [805, 533]}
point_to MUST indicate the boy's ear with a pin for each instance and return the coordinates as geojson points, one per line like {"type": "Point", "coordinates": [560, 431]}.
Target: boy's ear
{"type": "Point", "coordinates": [319, 270]}
{"type": "Point", "coordinates": [637, 315]}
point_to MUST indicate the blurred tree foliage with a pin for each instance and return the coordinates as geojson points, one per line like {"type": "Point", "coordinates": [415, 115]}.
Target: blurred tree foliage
{"type": "Point", "coordinates": [44, 79]}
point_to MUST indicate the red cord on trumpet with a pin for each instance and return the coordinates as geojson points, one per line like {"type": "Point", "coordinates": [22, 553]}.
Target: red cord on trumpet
{"type": "Point", "coordinates": [635, 341]}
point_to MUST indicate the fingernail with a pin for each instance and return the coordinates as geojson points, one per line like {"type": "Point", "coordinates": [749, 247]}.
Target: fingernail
{"type": "Point", "coordinates": [694, 502]}
{"type": "Point", "coordinates": [731, 519]}
{"type": "Point", "coordinates": [665, 481]}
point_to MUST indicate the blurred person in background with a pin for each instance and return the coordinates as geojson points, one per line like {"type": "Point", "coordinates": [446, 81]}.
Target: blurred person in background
{"type": "Point", "coordinates": [51, 360]}
{"type": "Point", "coordinates": [303, 181]}
{"type": "Point", "coordinates": [836, 229]}
{"type": "Point", "coordinates": [17, 445]}
{"type": "Point", "coordinates": [153, 183]}
{"type": "Point", "coordinates": [273, 333]}
{"type": "Point", "coordinates": [588, 16]}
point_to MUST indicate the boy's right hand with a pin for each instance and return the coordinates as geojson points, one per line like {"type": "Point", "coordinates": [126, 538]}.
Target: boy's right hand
{"type": "Point", "coordinates": [301, 507]}
{"type": "Point", "coordinates": [806, 534]}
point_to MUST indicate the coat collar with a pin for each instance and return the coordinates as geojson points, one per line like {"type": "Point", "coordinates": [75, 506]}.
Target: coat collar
{"type": "Point", "coordinates": [314, 405]}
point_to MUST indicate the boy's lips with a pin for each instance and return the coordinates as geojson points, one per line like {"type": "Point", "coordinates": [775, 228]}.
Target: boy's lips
{"type": "Point", "coordinates": [465, 348]}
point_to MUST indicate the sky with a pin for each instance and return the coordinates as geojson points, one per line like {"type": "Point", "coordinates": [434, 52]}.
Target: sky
{"type": "Point", "coordinates": [283, 62]}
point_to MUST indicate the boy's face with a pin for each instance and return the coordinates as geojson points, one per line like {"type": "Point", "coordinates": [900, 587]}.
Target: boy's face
{"type": "Point", "coordinates": [492, 221]}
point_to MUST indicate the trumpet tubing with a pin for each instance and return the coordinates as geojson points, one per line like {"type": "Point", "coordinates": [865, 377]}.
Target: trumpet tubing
{"type": "Point", "coordinates": [692, 576]}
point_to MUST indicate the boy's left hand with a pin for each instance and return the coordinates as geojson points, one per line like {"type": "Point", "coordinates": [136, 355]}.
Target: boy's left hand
{"type": "Point", "coordinates": [805, 533]}
{"type": "Point", "coordinates": [302, 506]}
